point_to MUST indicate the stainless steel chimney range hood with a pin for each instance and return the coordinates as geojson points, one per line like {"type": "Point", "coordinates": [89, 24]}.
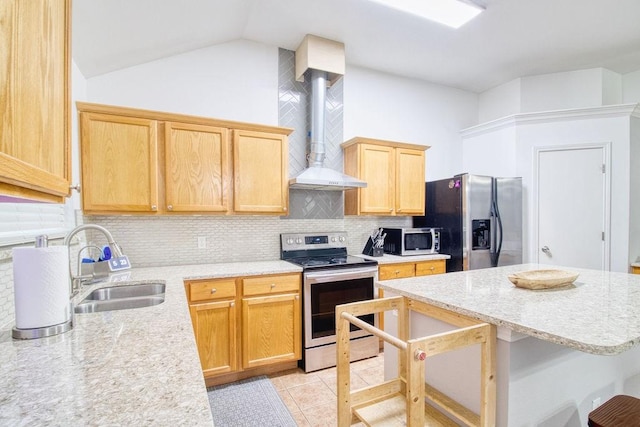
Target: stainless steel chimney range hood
{"type": "Point", "coordinates": [329, 55]}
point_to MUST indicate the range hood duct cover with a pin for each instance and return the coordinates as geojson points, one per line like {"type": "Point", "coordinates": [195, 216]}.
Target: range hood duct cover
{"type": "Point", "coordinates": [316, 176]}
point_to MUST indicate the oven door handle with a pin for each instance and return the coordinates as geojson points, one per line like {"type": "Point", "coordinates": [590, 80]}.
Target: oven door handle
{"type": "Point", "coordinates": [327, 276]}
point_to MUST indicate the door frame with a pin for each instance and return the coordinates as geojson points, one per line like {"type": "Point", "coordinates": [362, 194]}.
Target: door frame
{"type": "Point", "coordinates": [606, 147]}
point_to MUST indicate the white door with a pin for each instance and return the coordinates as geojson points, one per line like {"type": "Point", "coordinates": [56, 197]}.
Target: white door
{"type": "Point", "coordinates": [572, 207]}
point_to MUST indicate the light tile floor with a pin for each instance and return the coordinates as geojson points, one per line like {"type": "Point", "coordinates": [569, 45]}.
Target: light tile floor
{"type": "Point", "coordinates": [311, 398]}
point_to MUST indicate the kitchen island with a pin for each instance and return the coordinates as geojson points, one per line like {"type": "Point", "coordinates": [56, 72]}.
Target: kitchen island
{"type": "Point", "coordinates": [125, 367]}
{"type": "Point", "coordinates": [560, 352]}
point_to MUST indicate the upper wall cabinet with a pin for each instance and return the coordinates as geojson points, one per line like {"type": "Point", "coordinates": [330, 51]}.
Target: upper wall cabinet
{"type": "Point", "coordinates": [119, 163]}
{"type": "Point", "coordinates": [260, 162]}
{"type": "Point", "coordinates": [138, 161]}
{"type": "Point", "coordinates": [35, 54]}
{"type": "Point", "coordinates": [395, 176]}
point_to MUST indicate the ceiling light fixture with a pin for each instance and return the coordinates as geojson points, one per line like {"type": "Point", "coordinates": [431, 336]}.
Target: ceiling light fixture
{"type": "Point", "coordinates": [454, 13]}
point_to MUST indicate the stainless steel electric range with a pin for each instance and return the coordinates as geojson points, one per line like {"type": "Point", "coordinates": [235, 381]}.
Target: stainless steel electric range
{"type": "Point", "coordinates": [330, 277]}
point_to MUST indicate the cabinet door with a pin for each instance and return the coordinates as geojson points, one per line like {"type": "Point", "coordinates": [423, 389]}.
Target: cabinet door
{"type": "Point", "coordinates": [197, 168]}
{"type": "Point", "coordinates": [35, 56]}
{"type": "Point", "coordinates": [410, 184]}
{"type": "Point", "coordinates": [260, 170]}
{"type": "Point", "coordinates": [271, 330]}
{"type": "Point", "coordinates": [214, 326]}
{"type": "Point", "coordinates": [119, 163]}
{"type": "Point", "coordinates": [377, 168]}
{"type": "Point", "coordinates": [430, 267]}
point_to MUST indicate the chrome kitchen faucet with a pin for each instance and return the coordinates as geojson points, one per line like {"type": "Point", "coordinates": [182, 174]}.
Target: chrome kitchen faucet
{"type": "Point", "coordinates": [121, 260]}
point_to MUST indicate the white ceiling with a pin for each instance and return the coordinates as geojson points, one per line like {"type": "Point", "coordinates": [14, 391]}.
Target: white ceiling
{"type": "Point", "coordinates": [512, 38]}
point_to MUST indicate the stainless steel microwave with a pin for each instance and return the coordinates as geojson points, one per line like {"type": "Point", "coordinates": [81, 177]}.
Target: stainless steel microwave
{"type": "Point", "coordinates": [411, 241]}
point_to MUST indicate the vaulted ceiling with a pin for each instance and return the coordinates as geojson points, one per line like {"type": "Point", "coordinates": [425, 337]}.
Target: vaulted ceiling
{"type": "Point", "coordinates": [512, 38]}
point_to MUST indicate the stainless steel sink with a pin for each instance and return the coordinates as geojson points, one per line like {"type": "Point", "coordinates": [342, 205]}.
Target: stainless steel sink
{"type": "Point", "coordinates": [126, 291]}
{"type": "Point", "coordinates": [122, 298]}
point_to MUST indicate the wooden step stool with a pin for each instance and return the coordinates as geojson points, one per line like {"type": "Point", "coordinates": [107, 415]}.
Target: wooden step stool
{"type": "Point", "coordinates": [401, 401]}
{"type": "Point", "coordinates": [619, 411]}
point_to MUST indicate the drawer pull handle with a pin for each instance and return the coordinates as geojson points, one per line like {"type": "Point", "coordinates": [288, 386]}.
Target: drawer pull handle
{"type": "Point", "coordinates": [214, 290]}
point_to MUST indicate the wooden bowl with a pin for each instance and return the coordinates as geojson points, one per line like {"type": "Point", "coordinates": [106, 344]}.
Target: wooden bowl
{"type": "Point", "coordinates": [543, 279]}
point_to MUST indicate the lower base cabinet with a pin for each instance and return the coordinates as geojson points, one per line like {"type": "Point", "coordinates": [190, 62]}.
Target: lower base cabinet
{"type": "Point", "coordinates": [635, 270]}
{"type": "Point", "coordinates": [408, 269]}
{"type": "Point", "coordinates": [246, 324]}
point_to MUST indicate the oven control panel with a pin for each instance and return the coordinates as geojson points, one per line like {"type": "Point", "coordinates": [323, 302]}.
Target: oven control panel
{"type": "Point", "coordinates": [297, 241]}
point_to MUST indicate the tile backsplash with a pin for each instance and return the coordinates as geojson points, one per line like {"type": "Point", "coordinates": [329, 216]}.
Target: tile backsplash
{"type": "Point", "coordinates": [174, 240]}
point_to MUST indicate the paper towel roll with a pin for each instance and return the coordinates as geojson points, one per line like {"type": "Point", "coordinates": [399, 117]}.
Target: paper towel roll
{"type": "Point", "coordinates": [41, 286]}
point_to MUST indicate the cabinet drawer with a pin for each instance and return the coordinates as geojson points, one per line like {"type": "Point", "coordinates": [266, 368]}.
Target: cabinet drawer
{"type": "Point", "coordinates": [203, 290]}
{"type": "Point", "coordinates": [271, 284]}
{"type": "Point", "coordinates": [396, 271]}
{"type": "Point", "coordinates": [430, 267]}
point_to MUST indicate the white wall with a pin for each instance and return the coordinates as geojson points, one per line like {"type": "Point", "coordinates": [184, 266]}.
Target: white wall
{"type": "Point", "coordinates": [634, 192]}
{"type": "Point", "coordinates": [233, 81]}
{"type": "Point", "coordinates": [78, 93]}
{"type": "Point", "coordinates": [559, 91]}
{"type": "Point", "coordinates": [631, 87]}
{"type": "Point", "coordinates": [491, 153]}
{"type": "Point", "coordinates": [384, 106]}
{"type": "Point", "coordinates": [501, 101]}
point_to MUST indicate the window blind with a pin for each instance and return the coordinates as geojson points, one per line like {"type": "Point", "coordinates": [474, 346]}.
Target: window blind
{"type": "Point", "coordinates": [20, 223]}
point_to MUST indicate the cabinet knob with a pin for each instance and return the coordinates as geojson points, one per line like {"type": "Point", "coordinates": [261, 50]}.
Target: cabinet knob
{"type": "Point", "coordinates": [432, 268]}
{"type": "Point", "coordinates": [214, 290]}
{"type": "Point", "coordinates": [273, 285]}
{"type": "Point", "coordinates": [284, 209]}
{"type": "Point", "coordinates": [232, 304]}
{"type": "Point", "coordinates": [154, 207]}
{"type": "Point", "coordinates": [390, 210]}
{"type": "Point", "coordinates": [397, 272]}
{"type": "Point", "coordinates": [297, 297]}
{"type": "Point", "coordinates": [170, 207]}
{"type": "Point", "coordinates": [75, 187]}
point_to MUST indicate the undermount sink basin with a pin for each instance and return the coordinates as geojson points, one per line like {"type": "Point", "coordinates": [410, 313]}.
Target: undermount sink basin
{"type": "Point", "coordinates": [127, 291]}
{"type": "Point", "coordinates": [122, 298]}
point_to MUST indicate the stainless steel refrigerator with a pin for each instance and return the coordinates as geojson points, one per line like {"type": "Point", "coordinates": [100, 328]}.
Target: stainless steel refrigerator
{"type": "Point", "coordinates": [480, 219]}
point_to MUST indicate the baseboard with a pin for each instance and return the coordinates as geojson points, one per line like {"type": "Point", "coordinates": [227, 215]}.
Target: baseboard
{"type": "Point", "coordinates": [248, 373]}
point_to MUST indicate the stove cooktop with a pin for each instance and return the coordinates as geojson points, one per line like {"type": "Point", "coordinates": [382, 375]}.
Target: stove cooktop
{"type": "Point", "coordinates": [319, 251]}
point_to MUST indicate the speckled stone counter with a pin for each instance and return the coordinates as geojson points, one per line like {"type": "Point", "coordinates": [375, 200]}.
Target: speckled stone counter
{"type": "Point", "coordinates": [600, 314]}
{"type": "Point", "coordinates": [395, 259]}
{"type": "Point", "coordinates": [126, 367]}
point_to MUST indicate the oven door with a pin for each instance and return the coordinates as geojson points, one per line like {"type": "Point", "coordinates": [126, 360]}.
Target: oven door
{"type": "Point", "coordinates": [325, 289]}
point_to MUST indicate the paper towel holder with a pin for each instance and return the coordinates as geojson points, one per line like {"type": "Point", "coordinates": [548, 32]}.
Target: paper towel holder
{"type": "Point", "coordinates": [42, 241]}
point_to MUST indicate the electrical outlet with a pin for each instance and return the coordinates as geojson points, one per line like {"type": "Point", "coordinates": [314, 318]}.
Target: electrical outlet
{"type": "Point", "coordinates": [202, 242]}
{"type": "Point", "coordinates": [596, 402]}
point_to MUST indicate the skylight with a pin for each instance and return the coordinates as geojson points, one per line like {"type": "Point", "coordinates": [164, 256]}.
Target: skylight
{"type": "Point", "coordinates": [453, 13]}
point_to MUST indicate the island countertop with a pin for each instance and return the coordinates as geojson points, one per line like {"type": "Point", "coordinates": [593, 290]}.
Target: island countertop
{"type": "Point", "coordinates": [598, 314]}
{"type": "Point", "coordinates": [125, 367]}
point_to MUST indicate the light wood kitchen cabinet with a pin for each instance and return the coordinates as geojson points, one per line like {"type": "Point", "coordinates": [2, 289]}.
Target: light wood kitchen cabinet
{"type": "Point", "coordinates": [180, 164]}
{"type": "Point", "coordinates": [260, 170]}
{"type": "Point", "coordinates": [246, 326]}
{"type": "Point", "coordinates": [35, 58]}
{"type": "Point", "coordinates": [411, 269]}
{"type": "Point", "coordinates": [271, 321]}
{"type": "Point", "coordinates": [395, 176]}
{"type": "Point", "coordinates": [635, 270]}
{"type": "Point", "coordinates": [212, 304]}
{"type": "Point", "coordinates": [119, 163]}
{"type": "Point", "coordinates": [197, 169]}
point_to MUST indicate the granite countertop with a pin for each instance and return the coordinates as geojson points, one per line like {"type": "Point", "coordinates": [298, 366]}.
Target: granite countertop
{"type": "Point", "coordinates": [599, 314]}
{"type": "Point", "coordinates": [396, 259]}
{"type": "Point", "coordinates": [126, 367]}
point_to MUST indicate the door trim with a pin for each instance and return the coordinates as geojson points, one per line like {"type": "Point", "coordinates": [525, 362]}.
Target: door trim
{"type": "Point", "coordinates": [606, 148]}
